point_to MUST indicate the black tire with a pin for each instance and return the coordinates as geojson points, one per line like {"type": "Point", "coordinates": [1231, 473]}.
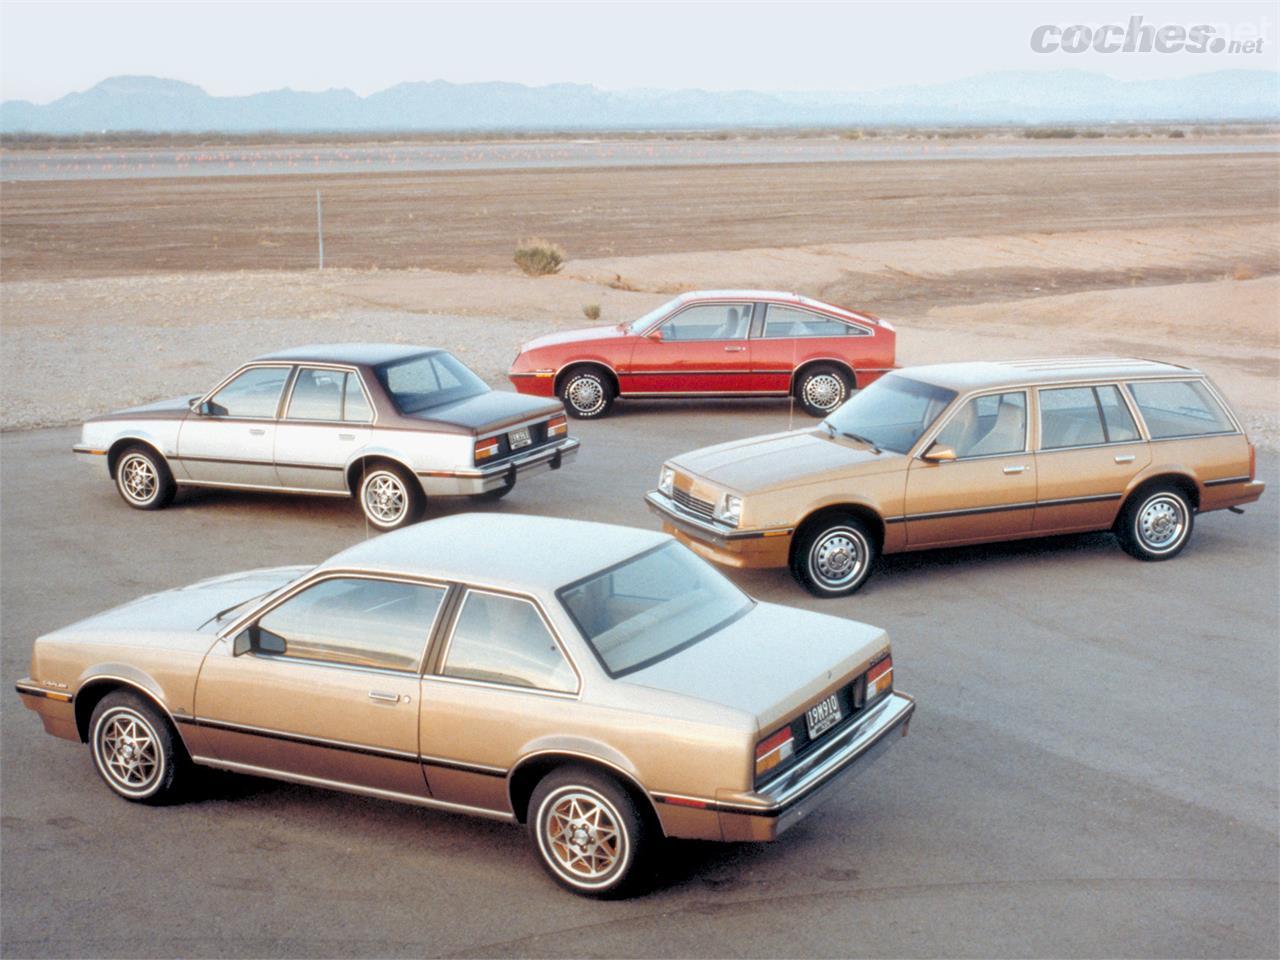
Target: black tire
{"type": "Point", "coordinates": [1156, 523]}
{"type": "Point", "coordinates": [390, 497]}
{"type": "Point", "coordinates": [136, 751]}
{"type": "Point", "coordinates": [143, 479]}
{"type": "Point", "coordinates": [607, 860]}
{"type": "Point", "coordinates": [833, 556]}
{"type": "Point", "coordinates": [822, 388]}
{"type": "Point", "coordinates": [586, 393]}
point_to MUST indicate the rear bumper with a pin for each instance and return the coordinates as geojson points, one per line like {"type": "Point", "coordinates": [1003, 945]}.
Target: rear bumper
{"type": "Point", "coordinates": [718, 542]}
{"type": "Point", "coordinates": [785, 801]}
{"type": "Point", "coordinates": [484, 479]}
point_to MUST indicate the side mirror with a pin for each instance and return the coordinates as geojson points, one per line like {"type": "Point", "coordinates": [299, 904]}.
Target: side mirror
{"type": "Point", "coordinates": [938, 453]}
{"type": "Point", "coordinates": [240, 645]}
{"type": "Point", "coordinates": [201, 409]}
{"type": "Point", "coordinates": [656, 335]}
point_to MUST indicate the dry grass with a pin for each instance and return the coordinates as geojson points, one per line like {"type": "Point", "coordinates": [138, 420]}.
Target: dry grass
{"type": "Point", "coordinates": [538, 257]}
{"type": "Point", "coordinates": [591, 311]}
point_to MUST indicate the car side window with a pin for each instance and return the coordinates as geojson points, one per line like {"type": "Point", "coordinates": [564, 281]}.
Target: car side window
{"type": "Point", "coordinates": [1084, 416]}
{"type": "Point", "coordinates": [499, 639]}
{"type": "Point", "coordinates": [988, 426]}
{"type": "Point", "coordinates": [710, 321]}
{"type": "Point", "coordinates": [1179, 408]}
{"type": "Point", "coordinates": [355, 405]}
{"type": "Point", "coordinates": [354, 621]}
{"type": "Point", "coordinates": [782, 321]}
{"type": "Point", "coordinates": [254, 393]}
{"type": "Point", "coordinates": [317, 395]}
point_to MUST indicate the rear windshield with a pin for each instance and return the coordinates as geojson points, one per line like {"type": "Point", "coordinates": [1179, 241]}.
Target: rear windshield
{"type": "Point", "coordinates": [649, 607]}
{"type": "Point", "coordinates": [428, 380]}
{"type": "Point", "coordinates": [1179, 408]}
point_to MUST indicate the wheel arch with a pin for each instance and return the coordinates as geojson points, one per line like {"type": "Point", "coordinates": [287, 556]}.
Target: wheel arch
{"type": "Point", "coordinates": [861, 511]}
{"type": "Point", "coordinates": [525, 776]}
{"type": "Point", "coordinates": [121, 444]}
{"type": "Point", "coordinates": [361, 463]}
{"type": "Point", "coordinates": [844, 365]}
{"type": "Point", "coordinates": [1182, 480]}
{"type": "Point", "coordinates": [92, 691]}
{"type": "Point", "coordinates": [610, 374]}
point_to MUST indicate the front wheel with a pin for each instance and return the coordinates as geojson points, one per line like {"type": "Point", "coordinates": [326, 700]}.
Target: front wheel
{"type": "Point", "coordinates": [822, 389]}
{"type": "Point", "coordinates": [833, 557]}
{"type": "Point", "coordinates": [588, 832]}
{"type": "Point", "coordinates": [1156, 525]}
{"type": "Point", "coordinates": [586, 393]}
{"type": "Point", "coordinates": [143, 479]}
{"type": "Point", "coordinates": [135, 750]}
{"type": "Point", "coordinates": [390, 497]}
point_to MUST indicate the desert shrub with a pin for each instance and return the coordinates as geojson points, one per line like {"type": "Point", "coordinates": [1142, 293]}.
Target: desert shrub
{"type": "Point", "coordinates": [538, 257]}
{"type": "Point", "coordinates": [591, 311]}
{"type": "Point", "coordinates": [1243, 272]}
{"type": "Point", "coordinates": [1049, 133]}
{"type": "Point", "coordinates": [1177, 134]}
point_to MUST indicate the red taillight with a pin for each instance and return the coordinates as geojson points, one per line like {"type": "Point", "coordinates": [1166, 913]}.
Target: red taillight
{"type": "Point", "coordinates": [557, 427]}
{"type": "Point", "coordinates": [774, 749]}
{"type": "Point", "coordinates": [879, 678]}
{"type": "Point", "coordinates": [1253, 462]}
{"type": "Point", "coordinates": [486, 448]}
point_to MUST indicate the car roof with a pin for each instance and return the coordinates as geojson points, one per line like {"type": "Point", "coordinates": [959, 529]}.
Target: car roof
{"type": "Point", "coordinates": [996, 373]}
{"type": "Point", "coordinates": [368, 354]}
{"type": "Point", "coordinates": [518, 552]}
{"type": "Point", "coordinates": [777, 296]}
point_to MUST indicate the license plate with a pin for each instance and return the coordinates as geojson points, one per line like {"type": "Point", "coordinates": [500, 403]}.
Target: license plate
{"type": "Point", "coordinates": [519, 438]}
{"type": "Point", "coordinates": [823, 716]}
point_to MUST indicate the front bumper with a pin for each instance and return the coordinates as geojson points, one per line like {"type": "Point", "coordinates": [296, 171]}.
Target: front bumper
{"type": "Point", "coordinates": [797, 792]}
{"type": "Point", "coordinates": [719, 542]}
{"type": "Point", "coordinates": [86, 454]}
{"type": "Point", "coordinates": [484, 479]}
{"type": "Point", "coordinates": [55, 708]}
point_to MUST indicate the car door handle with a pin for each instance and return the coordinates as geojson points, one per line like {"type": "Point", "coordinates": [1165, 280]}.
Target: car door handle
{"type": "Point", "coordinates": [1014, 469]}
{"type": "Point", "coordinates": [1125, 458]}
{"type": "Point", "coordinates": [383, 697]}
{"type": "Point", "coordinates": [734, 349]}
{"type": "Point", "coordinates": [257, 432]}
{"type": "Point", "coordinates": [346, 436]}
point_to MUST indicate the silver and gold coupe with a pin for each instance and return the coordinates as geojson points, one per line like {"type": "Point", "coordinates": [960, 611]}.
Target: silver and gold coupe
{"type": "Point", "coordinates": [386, 423]}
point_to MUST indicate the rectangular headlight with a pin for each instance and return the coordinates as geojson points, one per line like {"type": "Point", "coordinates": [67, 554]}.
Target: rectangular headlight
{"type": "Point", "coordinates": [730, 511]}
{"type": "Point", "coordinates": [666, 481]}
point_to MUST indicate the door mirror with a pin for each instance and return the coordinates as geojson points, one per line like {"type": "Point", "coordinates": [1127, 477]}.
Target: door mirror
{"type": "Point", "coordinates": [201, 408]}
{"type": "Point", "coordinates": [939, 453]}
{"type": "Point", "coordinates": [240, 645]}
{"type": "Point", "coordinates": [656, 334]}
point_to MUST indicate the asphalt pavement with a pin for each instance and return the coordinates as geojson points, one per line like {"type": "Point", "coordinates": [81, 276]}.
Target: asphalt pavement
{"type": "Point", "coordinates": [1092, 771]}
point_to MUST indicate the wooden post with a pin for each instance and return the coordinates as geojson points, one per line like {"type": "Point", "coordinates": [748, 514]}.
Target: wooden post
{"type": "Point", "coordinates": [320, 229]}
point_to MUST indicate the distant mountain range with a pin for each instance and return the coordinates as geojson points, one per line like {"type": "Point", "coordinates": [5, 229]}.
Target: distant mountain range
{"type": "Point", "coordinates": [153, 104]}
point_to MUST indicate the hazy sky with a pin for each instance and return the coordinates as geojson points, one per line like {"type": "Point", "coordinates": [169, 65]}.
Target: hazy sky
{"type": "Point", "coordinates": [49, 49]}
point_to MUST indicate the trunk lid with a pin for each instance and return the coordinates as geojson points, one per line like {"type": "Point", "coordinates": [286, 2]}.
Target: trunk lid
{"type": "Point", "coordinates": [490, 411]}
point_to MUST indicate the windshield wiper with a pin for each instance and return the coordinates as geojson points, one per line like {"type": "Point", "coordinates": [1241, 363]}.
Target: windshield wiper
{"type": "Point", "coordinates": [861, 439]}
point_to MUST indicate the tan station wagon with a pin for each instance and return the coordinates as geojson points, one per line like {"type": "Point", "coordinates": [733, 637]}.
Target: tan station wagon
{"type": "Point", "coordinates": [965, 453]}
{"type": "Point", "coordinates": [600, 684]}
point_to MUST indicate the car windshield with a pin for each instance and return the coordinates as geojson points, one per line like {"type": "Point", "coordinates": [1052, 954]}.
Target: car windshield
{"type": "Point", "coordinates": [428, 380]}
{"type": "Point", "coordinates": [892, 413]}
{"type": "Point", "coordinates": [651, 606]}
{"type": "Point", "coordinates": [652, 317]}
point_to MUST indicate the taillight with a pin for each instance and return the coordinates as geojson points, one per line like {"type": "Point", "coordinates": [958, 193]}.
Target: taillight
{"type": "Point", "coordinates": [774, 749]}
{"type": "Point", "coordinates": [486, 448]}
{"type": "Point", "coordinates": [1253, 463]}
{"type": "Point", "coordinates": [557, 427]}
{"type": "Point", "coordinates": [879, 678]}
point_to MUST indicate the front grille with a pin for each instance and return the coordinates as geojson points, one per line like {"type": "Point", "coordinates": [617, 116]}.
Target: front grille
{"type": "Point", "coordinates": [693, 505]}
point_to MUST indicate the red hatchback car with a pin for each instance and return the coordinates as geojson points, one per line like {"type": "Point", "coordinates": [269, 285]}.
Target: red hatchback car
{"type": "Point", "coordinates": [716, 343]}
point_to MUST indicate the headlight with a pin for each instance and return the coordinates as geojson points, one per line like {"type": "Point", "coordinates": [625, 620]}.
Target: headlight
{"type": "Point", "coordinates": [666, 481]}
{"type": "Point", "coordinates": [730, 511]}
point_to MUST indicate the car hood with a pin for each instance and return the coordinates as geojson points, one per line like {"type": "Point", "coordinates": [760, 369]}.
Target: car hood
{"type": "Point", "coordinates": [173, 408]}
{"type": "Point", "coordinates": [782, 460]}
{"type": "Point", "coordinates": [612, 332]}
{"type": "Point", "coordinates": [488, 411]}
{"type": "Point", "coordinates": [186, 609]}
{"type": "Point", "coordinates": [770, 663]}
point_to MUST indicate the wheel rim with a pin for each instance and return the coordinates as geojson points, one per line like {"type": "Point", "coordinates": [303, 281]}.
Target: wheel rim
{"type": "Point", "coordinates": [586, 394]}
{"type": "Point", "coordinates": [582, 836]}
{"type": "Point", "coordinates": [138, 478]}
{"type": "Point", "coordinates": [838, 557]}
{"type": "Point", "coordinates": [385, 498]}
{"type": "Point", "coordinates": [1162, 523]}
{"type": "Point", "coordinates": [128, 752]}
{"type": "Point", "coordinates": [824, 391]}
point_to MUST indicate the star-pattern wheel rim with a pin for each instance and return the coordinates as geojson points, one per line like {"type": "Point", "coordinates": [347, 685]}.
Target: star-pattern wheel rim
{"type": "Point", "coordinates": [583, 836]}
{"type": "Point", "coordinates": [138, 479]}
{"type": "Point", "coordinates": [385, 498]}
{"type": "Point", "coordinates": [129, 751]}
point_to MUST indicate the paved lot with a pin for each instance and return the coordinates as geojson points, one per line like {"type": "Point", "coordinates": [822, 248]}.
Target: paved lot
{"type": "Point", "coordinates": [1092, 770]}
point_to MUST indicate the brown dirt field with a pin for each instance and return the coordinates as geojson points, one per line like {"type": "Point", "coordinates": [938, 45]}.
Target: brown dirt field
{"type": "Point", "coordinates": [464, 222]}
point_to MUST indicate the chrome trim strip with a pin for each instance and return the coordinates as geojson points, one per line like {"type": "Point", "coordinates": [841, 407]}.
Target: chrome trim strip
{"type": "Point", "coordinates": [1225, 480]}
{"type": "Point", "coordinates": [81, 448]}
{"type": "Point", "coordinates": [1067, 501]}
{"type": "Point", "coordinates": [566, 447]}
{"type": "Point", "coordinates": [346, 368]}
{"type": "Point", "coordinates": [704, 393]}
{"type": "Point", "coordinates": [477, 768]}
{"type": "Point", "coordinates": [29, 689]}
{"type": "Point", "coordinates": [221, 485]}
{"type": "Point", "coordinates": [506, 687]}
{"type": "Point", "coordinates": [306, 739]}
{"type": "Point", "coordinates": [237, 767]}
{"type": "Point", "coordinates": [971, 511]}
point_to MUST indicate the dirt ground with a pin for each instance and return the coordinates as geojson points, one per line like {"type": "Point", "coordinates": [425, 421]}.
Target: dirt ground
{"type": "Point", "coordinates": [166, 284]}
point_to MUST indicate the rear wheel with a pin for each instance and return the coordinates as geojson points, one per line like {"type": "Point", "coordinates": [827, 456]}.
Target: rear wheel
{"type": "Point", "coordinates": [1156, 524]}
{"type": "Point", "coordinates": [390, 497]}
{"type": "Point", "coordinates": [586, 393]}
{"type": "Point", "coordinates": [588, 832]}
{"type": "Point", "coordinates": [833, 557]}
{"type": "Point", "coordinates": [135, 750]}
{"type": "Point", "coordinates": [143, 479]}
{"type": "Point", "coordinates": [822, 389]}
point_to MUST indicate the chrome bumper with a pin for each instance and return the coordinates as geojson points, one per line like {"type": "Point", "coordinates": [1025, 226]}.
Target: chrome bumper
{"type": "Point", "coordinates": [89, 455]}
{"type": "Point", "coordinates": [794, 794]}
{"type": "Point", "coordinates": [484, 479]}
{"type": "Point", "coordinates": [708, 531]}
